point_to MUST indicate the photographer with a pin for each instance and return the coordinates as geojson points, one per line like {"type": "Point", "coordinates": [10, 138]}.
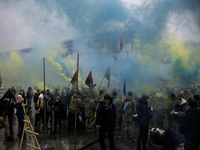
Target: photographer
{"type": "Point", "coordinates": [106, 118]}
{"type": "Point", "coordinates": [20, 113]}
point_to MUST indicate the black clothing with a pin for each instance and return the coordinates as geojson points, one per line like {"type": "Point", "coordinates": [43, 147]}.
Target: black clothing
{"type": "Point", "coordinates": [58, 112]}
{"type": "Point", "coordinates": [172, 139]}
{"type": "Point", "coordinates": [144, 115]}
{"type": "Point", "coordinates": [36, 97]}
{"type": "Point", "coordinates": [56, 94]}
{"type": "Point", "coordinates": [29, 94]}
{"type": "Point", "coordinates": [106, 118]}
{"type": "Point", "coordinates": [190, 128]}
{"type": "Point", "coordinates": [4, 108]}
{"type": "Point", "coordinates": [50, 101]}
{"type": "Point", "coordinates": [64, 102]}
{"type": "Point", "coordinates": [144, 112]}
{"type": "Point", "coordinates": [102, 135]}
{"type": "Point", "coordinates": [181, 109]}
{"type": "Point", "coordinates": [20, 116]}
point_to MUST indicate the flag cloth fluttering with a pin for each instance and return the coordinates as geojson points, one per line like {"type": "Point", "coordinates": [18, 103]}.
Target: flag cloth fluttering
{"type": "Point", "coordinates": [89, 80]}
{"type": "Point", "coordinates": [107, 76]}
{"type": "Point", "coordinates": [124, 90]}
{"type": "Point", "coordinates": [74, 79]}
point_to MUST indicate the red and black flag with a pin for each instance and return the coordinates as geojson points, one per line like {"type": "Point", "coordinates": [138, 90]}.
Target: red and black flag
{"type": "Point", "coordinates": [74, 79]}
{"type": "Point", "coordinates": [107, 76]}
{"type": "Point", "coordinates": [89, 80]}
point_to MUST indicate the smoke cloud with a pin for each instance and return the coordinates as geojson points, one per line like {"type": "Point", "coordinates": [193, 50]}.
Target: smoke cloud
{"type": "Point", "coordinates": [140, 41]}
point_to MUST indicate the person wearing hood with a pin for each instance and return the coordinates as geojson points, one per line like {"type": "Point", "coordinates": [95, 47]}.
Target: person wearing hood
{"type": "Point", "coordinates": [10, 93]}
{"type": "Point", "coordinates": [58, 113]}
{"type": "Point", "coordinates": [4, 112]}
{"type": "Point", "coordinates": [190, 127]}
{"type": "Point", "coordinates": [106, 119]}
{"type": "Point", "coordinates": [179, 110]}
{"type": "Point", "coordinates": [145, 113]}
{"type": "Point", "coordinates": [29, 95]}
{"type": "Point", "coordinates": [173, 140]}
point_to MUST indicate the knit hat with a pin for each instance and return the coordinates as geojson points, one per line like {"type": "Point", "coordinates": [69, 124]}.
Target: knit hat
{"type": "Point", "coordinates": [5, 96]}
{"type": "Point", "coordinates": [19, 96]}
{"type": "Point", "coordinates": [193, 104]}
{"type": "Point", "coordinates": [58, 97]}
{"type": "Point", "coordinates": [172, 139]}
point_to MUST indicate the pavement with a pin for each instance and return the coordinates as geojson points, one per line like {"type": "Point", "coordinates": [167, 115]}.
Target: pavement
{"type": "Point", "coordinates": [66, 140]}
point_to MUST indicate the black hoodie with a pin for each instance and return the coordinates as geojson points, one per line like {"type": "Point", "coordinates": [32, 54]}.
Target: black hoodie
{"type": "Point", "coordinates": [172, 139]}
{"type": "Point", "coordinates": [144, 111]}
{"type": "Point", "coordinates": [190, 126]}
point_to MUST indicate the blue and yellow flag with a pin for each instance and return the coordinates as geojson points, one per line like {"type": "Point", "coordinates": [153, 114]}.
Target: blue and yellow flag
{"type": "Point", "coordinates": [124, 91]}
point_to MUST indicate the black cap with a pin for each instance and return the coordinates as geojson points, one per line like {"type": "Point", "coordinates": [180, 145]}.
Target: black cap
{"type": "Point", "coordinates": [5, 96]}
{"type": "Point", "coordinates": [107, 97]}
{"type": "Point", "coordinates": [145, 97]}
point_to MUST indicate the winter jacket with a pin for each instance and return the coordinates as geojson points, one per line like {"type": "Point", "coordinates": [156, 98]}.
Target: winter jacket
{"type": "Point", "coordinates": [58, 108]}
{"type": "Point", "coordinates": [106, 118]}
{"type": "Point", "coordinates": [172, 139]}
{"type": "Point", "coordinates": [18, 106]}
{"type": "Point", "coordinates": [181, 109]}
{"type": "Point", "coordinates": [144, 112]}
{"type": "Point", "coordinates": [190, 126]}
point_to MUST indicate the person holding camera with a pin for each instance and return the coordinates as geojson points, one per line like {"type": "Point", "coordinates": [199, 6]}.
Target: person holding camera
{"type": "Point", "coordinates": [20, 113]}
{"type": "Point", "coordinates": [106, 119]}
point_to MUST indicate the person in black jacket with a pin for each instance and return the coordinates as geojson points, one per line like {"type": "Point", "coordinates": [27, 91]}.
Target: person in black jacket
{"type": "Point", "coordinates": [36, 96]}
{"type": "Point", "coordinates": [10, 93]}
{"type": "Point", "coordinates": [173, 140]}
{"type": "Point", "coordinates": [145, 113]}
{"type": "Point", "coordinates": [20, 113]}
{"type": "Point", "coordinates": [58, 113]}
{"type": "Point", "coordinates": [106, 118]}
{"type": "Point", "coordinates": [179, 110]}
{"type": "Point", "coordinates": [4, 113]}
{"type": "Point", "coordinates": [29, 95]}
{"type": "Point", "coordinates": [50, 101]}
{"type": "Point", "coordinates": [190, 127]}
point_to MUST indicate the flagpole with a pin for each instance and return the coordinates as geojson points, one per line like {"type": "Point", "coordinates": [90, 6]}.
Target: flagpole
{"type": "Point", "coordinates": [100, 83]}
{"type": "Point", "coordinates": [45, 108]}
{"type": "Point", "coordinates": [76, 101]}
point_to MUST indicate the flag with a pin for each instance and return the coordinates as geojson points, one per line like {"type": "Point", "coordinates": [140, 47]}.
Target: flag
{"type": "Point", "coordinates": [74, 79]}
{"type": "Point", "coordinates": [124, 90]}
{"type": "Point", "coordinates": [107, 76]}
{"type": "Point", "coordinates": [89, 80]}
{"type": "Point", "coordinates": [0, 79]}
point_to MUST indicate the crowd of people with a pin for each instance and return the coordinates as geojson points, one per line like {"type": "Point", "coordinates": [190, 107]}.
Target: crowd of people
{"type": "Point", "coordinates": [106, 114]}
